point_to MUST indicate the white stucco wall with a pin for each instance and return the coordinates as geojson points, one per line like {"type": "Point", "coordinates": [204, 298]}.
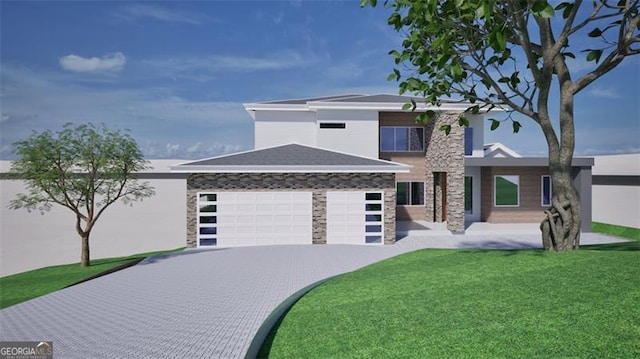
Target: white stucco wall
{"type": "Point", "coordinates": [359, 137]}
{"type": "Point", "coordinates": [477, 123]}
{"type": "Point", "coordinates": [275, 128]}
{"type": "Point", "coordinates": [32, 240]}
{"type": "Point", "coordinates": [616, 204]}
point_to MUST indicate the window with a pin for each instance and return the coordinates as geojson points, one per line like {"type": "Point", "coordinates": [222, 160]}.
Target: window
{"type": "Point", "coordinates": [401, 139]}
{"type": "Point", "coordinates": [468, 194]}
{"type": "Point", "coordinates": [372, 207]}
{"type": "Point", "coordinates": [207, 219]}
{"type": "Point", "coordinates": [507, 191]}
{"type": "Point", "coordinates": [373, 217]}
{"type": "Point", "coordinates": [468, 141]}
{"type": "Point", "coordinates": [334, 125]}
{"type": "Point", "coordinates": [373, 196]}
{"type": "Point", "coordinates": [410, 193]}
{"type": "Point", "coordinates": [546, 191]}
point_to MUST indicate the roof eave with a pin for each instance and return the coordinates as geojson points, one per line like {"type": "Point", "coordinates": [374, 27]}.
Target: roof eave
{"type": "Point", "coordinates": [386, 106]}
{"type": "Point", "coordinates": [291, 169]}
{"type": "Point", "coordinates": [375, 106]}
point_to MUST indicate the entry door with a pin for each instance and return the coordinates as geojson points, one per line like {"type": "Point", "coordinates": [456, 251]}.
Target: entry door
{"type": "Point", "coordinates": [439, 196]}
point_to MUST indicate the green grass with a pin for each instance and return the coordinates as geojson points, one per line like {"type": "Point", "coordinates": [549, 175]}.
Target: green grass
{"type": "Point", "coordinates": [21, 287]}
{"type": "Point", "coordinates": [473, 304]}
{"type": "Point", "coordinates": [614, 230]}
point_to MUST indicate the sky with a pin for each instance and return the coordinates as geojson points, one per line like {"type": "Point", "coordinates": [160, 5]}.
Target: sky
{"type": "Point", "coordinates": [177, 73]}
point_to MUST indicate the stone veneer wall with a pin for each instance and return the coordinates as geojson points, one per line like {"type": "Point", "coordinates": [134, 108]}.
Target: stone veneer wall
{"type": "Point", "coordinates": [317, 183]}
{"type": "Point", "coordinates": [444, 153]}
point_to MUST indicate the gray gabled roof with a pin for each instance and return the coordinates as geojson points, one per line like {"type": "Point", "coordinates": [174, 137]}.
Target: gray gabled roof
{"type": "Point", "coordinates": [291, 158]}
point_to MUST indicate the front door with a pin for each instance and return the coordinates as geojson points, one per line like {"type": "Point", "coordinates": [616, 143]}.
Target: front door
{"type": "Point", "coordinates": [439, 196]}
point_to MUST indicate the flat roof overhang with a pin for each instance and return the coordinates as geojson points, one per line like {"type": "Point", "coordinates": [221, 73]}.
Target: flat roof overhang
{"type": "Point", "coordinates": [521, 161]}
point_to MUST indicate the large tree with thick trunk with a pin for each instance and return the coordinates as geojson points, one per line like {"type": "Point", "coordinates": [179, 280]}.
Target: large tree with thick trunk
{"type": "Point", "coordinates": [82, 168]}
{"type": "Point", "coordinates": [513, 55]}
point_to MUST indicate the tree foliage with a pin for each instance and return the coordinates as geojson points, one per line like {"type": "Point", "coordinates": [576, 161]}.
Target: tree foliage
{"type": "Point", "coordinates": [82, 168]}
{"type": "Point", "coordinates": [513, 55]}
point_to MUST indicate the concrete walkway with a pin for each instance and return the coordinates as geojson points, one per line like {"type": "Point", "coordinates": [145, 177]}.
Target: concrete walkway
{"type": "Point", "coordinates": [201, 303]}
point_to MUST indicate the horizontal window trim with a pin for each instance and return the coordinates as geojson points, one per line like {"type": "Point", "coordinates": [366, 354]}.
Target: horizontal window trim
{"type": "Point", "coordinates": [402, 151]}
{"type": "Point", "coordinates": [495, 197]}
{"type": "Point", "coordinates": [333, 125]}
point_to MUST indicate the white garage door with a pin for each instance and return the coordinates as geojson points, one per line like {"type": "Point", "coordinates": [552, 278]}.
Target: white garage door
{"type": "Point", "coordinates": [254, 218]}
{"type": "Point", "coordinates": [355, 218]}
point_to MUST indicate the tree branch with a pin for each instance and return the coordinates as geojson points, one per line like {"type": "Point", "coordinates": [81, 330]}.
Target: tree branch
{"type": "Point", "coordinates": [615, 57]}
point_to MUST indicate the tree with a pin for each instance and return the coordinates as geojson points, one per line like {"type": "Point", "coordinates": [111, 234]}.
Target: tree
{"type": "Point", "coordinates": [82, 168]}
{"type": "Point", "coordinates": [513, 55]}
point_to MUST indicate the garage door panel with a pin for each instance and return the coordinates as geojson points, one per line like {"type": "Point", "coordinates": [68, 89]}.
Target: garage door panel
{"type": "Point", "coordinates": [264, 219]}
{"type": "Point", "coordinates": [264, 197]}
{"type": "Point", "coordinates": [350, 215]}
{"type": "Point", "coordinates": [264, 207]}
{"type": "Point", "coordinates": [283, 229]}
{"type": "Point", "coordinates": [257, 218]}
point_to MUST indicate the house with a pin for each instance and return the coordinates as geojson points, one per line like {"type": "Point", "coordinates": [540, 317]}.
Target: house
{"type": "Point", "coordinates": [344, 169]}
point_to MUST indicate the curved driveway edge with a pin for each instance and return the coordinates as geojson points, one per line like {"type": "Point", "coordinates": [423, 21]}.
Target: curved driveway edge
{"type": "Point", "coordinates": [276, 315]}
{"type": "Point", "coordinates": [196, 303]}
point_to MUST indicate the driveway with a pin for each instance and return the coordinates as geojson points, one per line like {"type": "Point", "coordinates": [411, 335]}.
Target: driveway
{"type": "Point", "coordinates": [197, 303]}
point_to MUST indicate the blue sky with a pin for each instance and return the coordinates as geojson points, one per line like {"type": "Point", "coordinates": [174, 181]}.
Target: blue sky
{"type": "Point", "coordinates": [176, 73]}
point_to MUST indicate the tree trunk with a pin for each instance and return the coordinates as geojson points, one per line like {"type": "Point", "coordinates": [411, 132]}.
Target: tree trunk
{"type": "Point", "coordinates": [84, 255]}
{"type": "Point", "coordinates": [561, 225]}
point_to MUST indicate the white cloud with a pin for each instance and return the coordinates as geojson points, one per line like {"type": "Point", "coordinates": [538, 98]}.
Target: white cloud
{"type": "Point", "coordinates": [165, 126]}
{"type": "Point", "coordinates": [159, 13]}
{"type": "Point", "coordinates": [195, 148]}
{"type": "Point", "coordinates": [202, 68]}
{"type": "Point", "coordinates": [580, 65]}
{"type": "Point", "coordinates": [601, 92]}
{"type": "Point", "coordinates": [108, 63]}
{"type": "Point", "coordinates": [172, 148]}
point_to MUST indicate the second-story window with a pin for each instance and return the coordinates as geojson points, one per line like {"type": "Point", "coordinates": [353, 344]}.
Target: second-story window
{"type": "Point", "coordinates": [468, 141]}
{"type": "Point", "coordinates": [401, 139]}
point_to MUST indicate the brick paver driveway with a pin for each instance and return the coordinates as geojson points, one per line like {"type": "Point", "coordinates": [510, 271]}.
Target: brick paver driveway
{"type": "Point", "coordinates": [199, 304]}
{"type": "Point", "coordinates": [195, 304]}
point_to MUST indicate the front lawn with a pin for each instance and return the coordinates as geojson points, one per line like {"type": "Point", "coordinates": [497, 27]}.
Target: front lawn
{"type": "Point", "coordinates": [21, 287]}
{"type": "Point", "coordinates": [615, 230]}
{"type": "Point", "coordinates": [473, 304]}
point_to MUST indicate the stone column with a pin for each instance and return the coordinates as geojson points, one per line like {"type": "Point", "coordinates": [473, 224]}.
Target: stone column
{"type": "Point", "coordinates": [319, 217]}
{"type": "Point", "coordinates": [445, 153]}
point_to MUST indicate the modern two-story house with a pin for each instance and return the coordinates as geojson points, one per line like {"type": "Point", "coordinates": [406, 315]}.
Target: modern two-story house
{"type": "Point", "coordinates": [344, 169]}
